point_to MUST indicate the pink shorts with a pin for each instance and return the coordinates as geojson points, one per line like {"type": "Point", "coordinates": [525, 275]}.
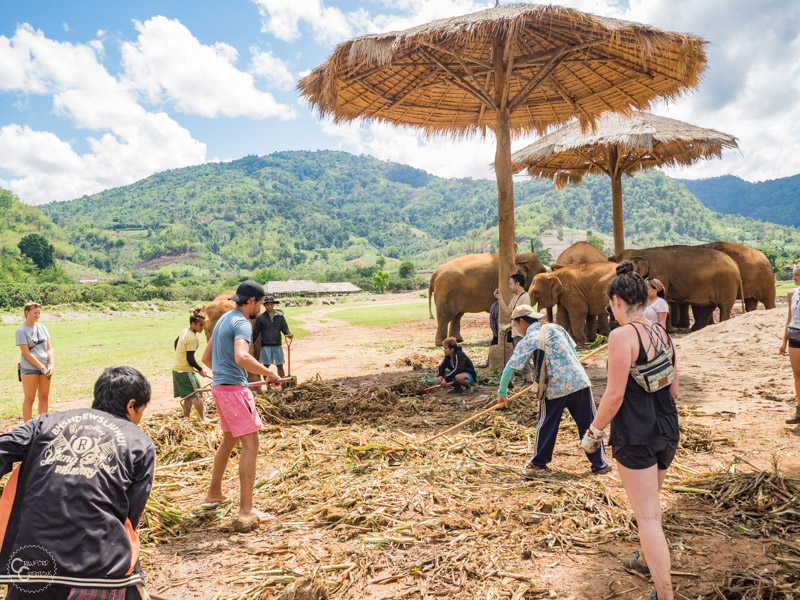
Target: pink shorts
{"type": "Point", "coordinates": [237, 409]}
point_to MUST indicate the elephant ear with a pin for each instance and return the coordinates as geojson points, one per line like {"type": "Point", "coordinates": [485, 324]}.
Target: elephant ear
{"type": "Point", "coordinates": [558, 288]}
{"type": "Point", "coordinates": [556, 267]}
{"type": "Point", "coordinates": [640, 265]}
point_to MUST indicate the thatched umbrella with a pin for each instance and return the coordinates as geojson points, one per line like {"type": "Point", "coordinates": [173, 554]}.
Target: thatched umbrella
{"type": "Point", "coordinates": [619, 145]}
{"type": "Point", "coordinates": [509, 69]}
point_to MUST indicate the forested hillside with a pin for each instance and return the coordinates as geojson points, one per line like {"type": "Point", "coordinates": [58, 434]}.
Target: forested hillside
{"type": "Point", "coordinates": [777, 200]}
{"type": "Point", "coordinates": [312, 213]}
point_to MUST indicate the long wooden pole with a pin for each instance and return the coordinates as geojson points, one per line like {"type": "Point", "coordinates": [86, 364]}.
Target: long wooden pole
{"type": "Point", "coordinates": [514, 397]}
{"type": "Point", "coordinates": [616, 199]}
{"type": "Point", "coordinates": [502, 167]}
{"type": "Point", "coordinates": [481, 414]}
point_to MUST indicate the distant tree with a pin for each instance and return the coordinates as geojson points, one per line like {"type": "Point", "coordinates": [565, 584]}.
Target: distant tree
{"type": "Point", "coordinates": [38, 249]}
{"type": "Point", "coordinates": [161, 280]}
{"type": "Point", "coordinates": [595, 241]}
{"type": "Point", "coordinates": [392, 252]}
{"type": "Point", "coordinates": [380, 262]}
{"type": "Point", "coordinates": [380, 279]}
{"type": "Point", "coordinates": [266, 274]}
{"type": "Point", "coordinates": [406, 269]}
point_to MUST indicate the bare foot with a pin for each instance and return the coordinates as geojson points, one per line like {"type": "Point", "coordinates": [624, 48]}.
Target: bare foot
{"type": "Point", "coordinates": [213, 499]}
{"type": "Point", "coordinates": [262, 516]}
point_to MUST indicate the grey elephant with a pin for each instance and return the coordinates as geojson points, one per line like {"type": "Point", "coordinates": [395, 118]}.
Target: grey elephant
{"type": "Point", "coordinates": [701, 277]}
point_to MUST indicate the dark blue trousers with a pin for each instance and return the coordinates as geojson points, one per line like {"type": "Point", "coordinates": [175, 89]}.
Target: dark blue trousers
{"type": "Point", "coordinates": [581, 406]}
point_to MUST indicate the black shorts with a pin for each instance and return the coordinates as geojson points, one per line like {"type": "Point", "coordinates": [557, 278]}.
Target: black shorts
{"type": "Point", "coordinates": [793, 344]}
{"type": "Point", "coordinates": [659, 452]}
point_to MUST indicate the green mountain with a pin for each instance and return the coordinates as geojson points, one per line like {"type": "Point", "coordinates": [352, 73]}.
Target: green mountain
{"type": "Point", "coordinates": [775, 200]}
{"type": "Point", "coordinates": [315, 213]}
{"type": "Point", "coordinates": [18, 220]}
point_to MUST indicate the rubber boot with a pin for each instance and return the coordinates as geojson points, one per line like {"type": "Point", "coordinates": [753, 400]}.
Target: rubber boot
{"type": "Point", "coordinates": [796, 418]}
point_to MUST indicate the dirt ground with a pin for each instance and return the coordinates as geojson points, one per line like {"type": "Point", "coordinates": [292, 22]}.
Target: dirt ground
{"type": "Point", "coordinates": [373, 513]}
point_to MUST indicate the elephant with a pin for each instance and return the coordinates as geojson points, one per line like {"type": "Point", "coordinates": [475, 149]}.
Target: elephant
{"type": "Point", "coordinates": [758, 280]}
{"type": "Point", "coordinates": [702, 277]}
{"type": "Point", "coordinates": [580, 253]}
{"type": "Point", "coordinates": [580, 293]}
{"type": "Point", "coordinates": [465, 285]}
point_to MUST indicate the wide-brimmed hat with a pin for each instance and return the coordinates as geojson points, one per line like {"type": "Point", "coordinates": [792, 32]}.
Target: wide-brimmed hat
{"type": "Point", "coordinates": [270, 300]}
{"type": "Point", "coordinates": [246, 290]}
{"type": "Point", "coordinates": [525, 310]}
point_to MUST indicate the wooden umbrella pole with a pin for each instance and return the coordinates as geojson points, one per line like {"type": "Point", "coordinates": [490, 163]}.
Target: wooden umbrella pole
{"type": "Point", "coordinates": [593, 352]}
{"type": "Point", "coordinates": [480, 414]}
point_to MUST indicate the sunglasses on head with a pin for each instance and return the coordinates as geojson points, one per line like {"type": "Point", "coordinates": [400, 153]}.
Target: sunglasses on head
{"type": "Point", "coordinates": [608, 310]}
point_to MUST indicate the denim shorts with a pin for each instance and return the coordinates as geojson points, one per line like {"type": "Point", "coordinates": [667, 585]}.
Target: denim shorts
{"type": "Point", "coordinates": [271, 355]}
{"type": "Point", "coordinates": [30, 371]}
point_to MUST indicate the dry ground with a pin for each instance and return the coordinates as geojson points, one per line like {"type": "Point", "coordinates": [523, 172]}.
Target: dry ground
{"type": "Point", "coordinates": [373, 513]}
{"type": "Point", "coordinates": [377, 514]}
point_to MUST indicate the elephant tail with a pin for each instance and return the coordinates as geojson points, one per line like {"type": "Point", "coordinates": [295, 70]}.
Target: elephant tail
{"type": "Point", "coordinates": [430, 295]}
{"type": "Point", "coordinates": [741, 292]}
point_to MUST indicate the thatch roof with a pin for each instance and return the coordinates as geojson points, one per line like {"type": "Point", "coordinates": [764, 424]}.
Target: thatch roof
{"type": "Point", "coordinates": [561, 63]}
{"type": "Point", "coordinates": [293, 286]}
{"type": "Point", "coordinates": [640, 141]}
{"type": "Point", "coordinates": [340, 287]}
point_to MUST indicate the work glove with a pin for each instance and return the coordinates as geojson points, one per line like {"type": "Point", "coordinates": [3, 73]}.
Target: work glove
{"type": "Point", "coordinates": [48, 372]}
{"type": "Point", "coordinates": [592, 439]}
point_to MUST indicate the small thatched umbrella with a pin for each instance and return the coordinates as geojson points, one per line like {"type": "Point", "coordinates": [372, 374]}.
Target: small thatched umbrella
{"type": "Point", "coordinates": [510, 69]}
{"type": "Point", "coordinates": [619, 145]}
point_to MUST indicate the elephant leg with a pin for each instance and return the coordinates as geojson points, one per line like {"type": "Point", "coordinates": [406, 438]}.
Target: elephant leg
{"type": "Point", "coordinates": [702, 316]}
{"type": "Point", "coordinates": [603, 325]}
{"type": "Point", "coordinates": [591, 327]}
{"type": "Point", "coordinates": [455, 327]}
{"type": "Point", "coordinates": [442, 321]}
{"type": "Point", "coordinates": [562, 318]}
{"type": "Point", "coordinates": [681, 311]}
{"type": "Point", "coordinates": [577, 321]}
{"type": "Point", "coordinates": [750, 304]}
{"type": "Point", "coordinates": [725, 310]}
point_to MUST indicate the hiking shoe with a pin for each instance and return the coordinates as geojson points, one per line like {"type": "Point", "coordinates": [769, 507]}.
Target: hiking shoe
{"type": "Point", "coordinates": [634, 566]}
{"type": "Point", "coordinates": [796, 418]}
{"type": "Point", "coordinates": [456, 390]}
{"type": "Point", "coordinates": [532, 471]}
{"type": "Point", "coordinates": [468, 391]}
{"type": "Point", "coordinates": [603, 471]}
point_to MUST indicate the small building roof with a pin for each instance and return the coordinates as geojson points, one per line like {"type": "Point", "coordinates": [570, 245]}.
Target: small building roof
{"type": "Point", "coordinates": [340, 287]}
{"type": "Point", "coordinates": [293, 286]}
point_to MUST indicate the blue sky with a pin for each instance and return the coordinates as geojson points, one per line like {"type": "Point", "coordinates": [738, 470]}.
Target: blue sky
{"type": "Point", "coordinates": [99, 94]}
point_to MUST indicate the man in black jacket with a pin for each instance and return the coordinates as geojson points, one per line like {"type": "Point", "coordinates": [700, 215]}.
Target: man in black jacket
{"type": "Point", "coordinates": [269, 326]}
{"type": "Point", "coordinates": [456, 367]}
{"type": "Point", "coordinates": [69, 512]}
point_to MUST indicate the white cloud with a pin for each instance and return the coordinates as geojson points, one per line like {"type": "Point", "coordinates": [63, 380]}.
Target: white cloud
{"type": "Point", "coordinates": [65, 26]}
{"type": "Point", "coordinates": [282, 19]}
{"type": "Point", "coordinates": [132, 144]}
{"type": "Point", "coordinates": [750, 87]}
{"type": "Point", "coordinates": [272, 69]}
{"type": "Point", "coordinates": [167, 63]}
{"type": "Point", "coordinates": [443, 156]}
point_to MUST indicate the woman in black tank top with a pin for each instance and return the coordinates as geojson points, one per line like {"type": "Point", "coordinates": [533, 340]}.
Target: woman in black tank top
{"type": "Point", "coordinates": [644, 424]}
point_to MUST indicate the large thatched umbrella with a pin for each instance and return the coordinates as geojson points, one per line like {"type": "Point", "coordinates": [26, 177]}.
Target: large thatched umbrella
{"type": "Point", "coordinates": [509, 69]}
{"type": "Point", "coordinates": [619, 145]}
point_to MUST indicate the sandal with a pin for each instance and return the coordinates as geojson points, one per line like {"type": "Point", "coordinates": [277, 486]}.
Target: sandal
{"type": "Point", "coordinates": [633, 565]}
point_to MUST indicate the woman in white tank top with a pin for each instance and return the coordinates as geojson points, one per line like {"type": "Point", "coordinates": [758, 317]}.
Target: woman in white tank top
{"type": "Point", "coordinates": [791, 339]}
{"type": "Point", "coordinates": [657, 308]}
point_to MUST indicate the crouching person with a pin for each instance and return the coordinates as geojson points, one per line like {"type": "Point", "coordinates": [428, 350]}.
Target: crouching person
{"type": "Point", "coordinates": [69, 512]}
{"type": "Point", "coordinates": [566, 386]}
{"type": "Point", "coordinates": [456, 368]}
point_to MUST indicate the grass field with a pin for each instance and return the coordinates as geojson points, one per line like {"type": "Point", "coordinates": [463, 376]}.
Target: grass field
{"type": "Point", "coordinates": [83, 348]}
{"type": "Point", "coordinates": [381, 316]}
{"type": "Point", "coordinates": [783, 288]}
